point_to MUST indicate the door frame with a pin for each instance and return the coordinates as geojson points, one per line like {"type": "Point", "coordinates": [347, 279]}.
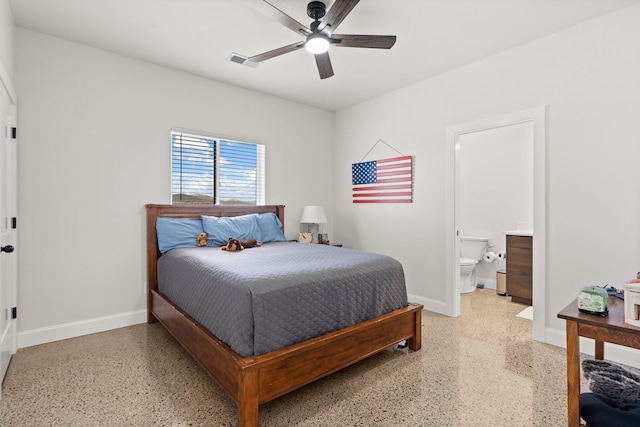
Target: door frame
{"type": "Point", "coordinates": [12, 199]}
{"type": "Point", "coordinates": [537, 116]}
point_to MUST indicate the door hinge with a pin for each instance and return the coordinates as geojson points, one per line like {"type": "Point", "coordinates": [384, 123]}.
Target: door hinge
{"type": "Point", "coordinates": [14, 133]}
{"type": "Point", "coordinates": [14, 313]}
{"type": "Point", "coordinates": [14, 222]}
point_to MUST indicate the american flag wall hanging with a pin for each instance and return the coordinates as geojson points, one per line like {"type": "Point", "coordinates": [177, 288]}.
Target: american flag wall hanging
{"type": "Point", "coordinates": [383, 181]}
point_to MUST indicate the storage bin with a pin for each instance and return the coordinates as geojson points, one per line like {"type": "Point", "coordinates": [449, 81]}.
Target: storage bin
{"type": "Point", "coordinates": [501, 282]}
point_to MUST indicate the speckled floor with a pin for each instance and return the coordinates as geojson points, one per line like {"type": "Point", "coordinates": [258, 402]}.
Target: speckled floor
{"type": "Point", "coordinates": [481, 369]}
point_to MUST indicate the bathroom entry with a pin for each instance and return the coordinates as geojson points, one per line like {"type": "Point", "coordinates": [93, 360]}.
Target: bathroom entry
{"type": "Point", "coordinates": [454, 134]}
{"type": "Point", "coordinates": [496, 190]}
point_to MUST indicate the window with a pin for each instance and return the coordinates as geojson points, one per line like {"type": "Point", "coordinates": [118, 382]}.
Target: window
{"type": "Point", "coordinates": [209, 170]}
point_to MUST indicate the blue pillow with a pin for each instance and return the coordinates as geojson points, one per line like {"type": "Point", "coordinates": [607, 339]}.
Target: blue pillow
{"type": "Point", "coordinates": [270, 228]}
{"type": "Point", "coordinates": [177, 233]}
{"type": "Point", "coordinates": [241, 227]}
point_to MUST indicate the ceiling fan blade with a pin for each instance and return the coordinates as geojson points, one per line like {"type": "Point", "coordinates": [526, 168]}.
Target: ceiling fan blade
{"type": "Point", "coordinates": [337, 13]}
{"type": "Point", "coordinates": [276, 14]}
{"type": "Point", "coordinates": [275, 52]}
{"type": "Point", "coordinates": [359, 40]}
{"type": "Point", "coordinates": [324, 65]}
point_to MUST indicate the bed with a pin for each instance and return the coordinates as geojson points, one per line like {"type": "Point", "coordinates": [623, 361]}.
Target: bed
{"type": "Point", "coordinates": [252, 379]}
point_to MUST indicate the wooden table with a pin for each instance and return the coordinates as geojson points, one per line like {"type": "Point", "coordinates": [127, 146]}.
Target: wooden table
{"type": "Point", "coordinates": [611, 328]}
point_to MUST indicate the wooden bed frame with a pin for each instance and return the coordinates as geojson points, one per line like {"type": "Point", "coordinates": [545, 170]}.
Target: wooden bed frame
{"type": "Point", "coordinates": [253, 380]}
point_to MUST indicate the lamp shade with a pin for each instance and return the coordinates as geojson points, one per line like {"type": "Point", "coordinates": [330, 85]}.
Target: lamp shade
{"type": "Point", "coordinates": [313, 215]}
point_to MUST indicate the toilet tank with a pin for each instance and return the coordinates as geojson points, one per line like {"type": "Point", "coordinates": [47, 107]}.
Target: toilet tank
{"type": "Point", "coordinates": [473, 247]}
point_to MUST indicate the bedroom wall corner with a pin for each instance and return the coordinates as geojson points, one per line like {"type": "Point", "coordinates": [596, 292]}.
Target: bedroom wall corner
{"type": "Point", "coordinates": [95, 148]}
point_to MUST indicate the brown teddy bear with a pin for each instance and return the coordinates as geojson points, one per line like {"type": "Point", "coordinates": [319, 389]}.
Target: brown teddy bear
{"type": "Point", "coordinates": [202, 239]}
{"type": "Point", "coordinates": [234, 244]}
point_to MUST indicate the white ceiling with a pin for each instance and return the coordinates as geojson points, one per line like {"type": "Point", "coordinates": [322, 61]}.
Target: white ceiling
{"type": "Point", "coordinates": [197, 36]}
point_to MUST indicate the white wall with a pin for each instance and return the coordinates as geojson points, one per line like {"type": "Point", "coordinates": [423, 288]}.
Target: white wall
{"type": "Point", "coordinates": [496, 188]}
{"type": "Point", "coordinates": [587, 76]}
{"type": "Point", "coordinates": [7, 30]}
{"type": "Point", "coordinates": [95, 148]}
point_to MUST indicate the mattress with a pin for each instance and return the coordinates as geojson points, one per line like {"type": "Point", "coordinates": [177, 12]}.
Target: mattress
{"type": "Point", "coordinates": [265, 298]}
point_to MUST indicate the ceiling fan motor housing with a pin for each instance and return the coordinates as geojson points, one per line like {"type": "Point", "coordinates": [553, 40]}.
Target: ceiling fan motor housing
{"type": "Point", "coordinates": [316, 10]}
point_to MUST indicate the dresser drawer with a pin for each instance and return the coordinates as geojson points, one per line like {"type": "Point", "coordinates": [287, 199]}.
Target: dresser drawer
{"type": "Point", "coordinates": [519, 242]}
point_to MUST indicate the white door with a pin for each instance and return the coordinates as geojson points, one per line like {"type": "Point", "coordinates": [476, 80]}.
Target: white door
{"type": "Point", "coordinates": [8, 232]}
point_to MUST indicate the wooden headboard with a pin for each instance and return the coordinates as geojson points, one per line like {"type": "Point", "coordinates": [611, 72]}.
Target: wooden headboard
{"type": "Point", "coordinates": [192, 212]}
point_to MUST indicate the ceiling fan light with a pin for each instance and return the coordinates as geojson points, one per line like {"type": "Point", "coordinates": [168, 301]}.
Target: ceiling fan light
{"type": "Point", "coordinates": [316, 43]}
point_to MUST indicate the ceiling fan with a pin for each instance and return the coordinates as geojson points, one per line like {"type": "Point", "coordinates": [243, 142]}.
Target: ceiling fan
{"type": "Point", "coordinates": [319, 36]}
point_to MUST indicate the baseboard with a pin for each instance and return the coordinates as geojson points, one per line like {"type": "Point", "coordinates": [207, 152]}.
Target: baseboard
{"type": "Point", "coordinates": [430, 304]}
{"type": "Point", "coordinates": [76, 329]}
{"type": "Point", "coordinates": [616, 353]}
{"type": "Point", "coordinates": [488, 283]}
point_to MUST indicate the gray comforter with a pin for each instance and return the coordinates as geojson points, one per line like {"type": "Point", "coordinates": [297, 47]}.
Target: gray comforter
{"type": "Point", "coordinates": [262, 299]}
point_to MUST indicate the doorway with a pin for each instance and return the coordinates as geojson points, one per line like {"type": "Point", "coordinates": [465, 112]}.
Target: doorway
{"type": "Point", "coordinates": [536, 117]}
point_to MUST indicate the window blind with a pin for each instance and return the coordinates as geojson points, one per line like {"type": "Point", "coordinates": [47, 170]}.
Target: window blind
{"type": "Point", "coordinates": [209, 170]}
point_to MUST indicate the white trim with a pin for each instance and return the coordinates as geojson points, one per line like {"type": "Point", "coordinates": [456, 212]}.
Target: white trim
{"type": "Point", "coordinates": [76, 329]}
{"type": "Point", "coordinates": [429, 304]}
{"type": "Point", "coordinates": [489, 284]}
{"type": "Point", "coordinates": [8, 105]}
{"type": "Point", "coordinates": [538, 117]}
{"type": "Point", "coordinates": [540, 180]}
{"type": "Point", "coordinates": [452, 244]}
{"type": "Point", "coordinates": [216, 135]}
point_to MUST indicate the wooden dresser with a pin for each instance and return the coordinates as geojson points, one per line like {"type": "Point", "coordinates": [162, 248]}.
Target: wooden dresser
{"type": "Point", "coordinates": [520, 268]}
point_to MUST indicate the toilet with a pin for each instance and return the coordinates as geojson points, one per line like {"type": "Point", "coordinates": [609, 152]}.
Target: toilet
{"type": "Point", "coordinates": [472, 248]}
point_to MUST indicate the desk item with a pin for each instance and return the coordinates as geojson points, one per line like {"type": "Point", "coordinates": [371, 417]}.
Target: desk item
{"type": "Point", "coordinates": [611, 329]}
{"type": "Point", "coordinates": [632, 303]}
{"type": "Point", "coordinates": [594, 300]}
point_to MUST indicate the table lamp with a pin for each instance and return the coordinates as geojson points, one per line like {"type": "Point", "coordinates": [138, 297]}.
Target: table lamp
{"type": "Point", "coordinates": [314, 215]}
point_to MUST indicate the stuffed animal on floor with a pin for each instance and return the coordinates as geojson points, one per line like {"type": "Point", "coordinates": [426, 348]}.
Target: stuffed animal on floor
{"type": "Point", "coordinates": [234, 244]}
{"type": "Point", "coordinates": [202, 239]}
{"type": "Point", "coordinates": [617, 383]}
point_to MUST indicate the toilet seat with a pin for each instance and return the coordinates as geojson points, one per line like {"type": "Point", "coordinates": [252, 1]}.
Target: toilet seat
{"type": "Point", "coordinates": [468, 261]}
